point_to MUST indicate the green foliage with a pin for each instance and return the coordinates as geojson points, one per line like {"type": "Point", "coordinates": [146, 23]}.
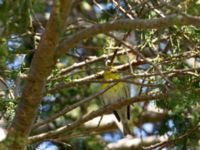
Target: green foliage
{"type": "Point", "coordinates": [193, 7]}
{"type": "Point", "coordinates": [38, 6]}
{"type": "Point", "coordinates": [95, 143]}
{"type": "Point", "coordinates": [106, 14]}
{"type": "Point", "coordinates": [19, 15]}
{"type": "Point", "coordinates": [182, 104]}
{"type": "Point", "coordinates": [3, 57]}
{"type": "Point", "coordinates": [7, 107]}
{"type": "Point", "coordinates": [87, 143]}
{"type": "Point", "coordinates": [192, 33]}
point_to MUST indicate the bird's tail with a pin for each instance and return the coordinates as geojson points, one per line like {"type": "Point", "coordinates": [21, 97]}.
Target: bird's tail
{"type": "Point", "coordinates": [123, 122]}
{"type": "Point", "coordinates": [125, 128]}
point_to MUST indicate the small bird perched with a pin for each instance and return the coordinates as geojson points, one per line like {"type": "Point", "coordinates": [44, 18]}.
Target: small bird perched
{"type": "Point", "coordinates": [118, 92]}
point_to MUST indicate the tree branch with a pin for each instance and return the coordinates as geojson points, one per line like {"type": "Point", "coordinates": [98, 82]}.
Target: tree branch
{"type": "Point", "coordinates": [68, 127]}
{"type": "Point", "coordinates": [90, 77]}
{"type": "Point", "coordinates": [170, 142]}
{"type": "Point", "coordinates": [126, 24]}
{"type": "Point", "coordinates": [69, 108]}
{"type": "Point", "coordinates": [135, 143]}
{"type": "Point", "coordinates": [42, 64]}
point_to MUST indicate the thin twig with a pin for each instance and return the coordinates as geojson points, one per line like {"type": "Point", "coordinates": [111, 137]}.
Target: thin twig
{"type": "Point", "coordinates": [107, 109]}
{"type": "Point", "coordinates": [144, 58]}
{"type": "Point", "coordinates": [87, 79]}
{"type": "Point", "coordinates": [69, 108]}
{"type": "Point", "coordinates": [93, 76]}
{"type": "Point", "coordinates": [122, 9]}
{"type": "Point", "coordinates": [170, 142]}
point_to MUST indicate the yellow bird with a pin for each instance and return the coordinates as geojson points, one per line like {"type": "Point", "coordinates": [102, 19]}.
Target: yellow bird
{"type": "Point", "coordinates": [118, 92]}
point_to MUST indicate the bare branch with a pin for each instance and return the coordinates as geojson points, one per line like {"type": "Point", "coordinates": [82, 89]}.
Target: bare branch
{"type": "Point", "coordinates": [55, 133]}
